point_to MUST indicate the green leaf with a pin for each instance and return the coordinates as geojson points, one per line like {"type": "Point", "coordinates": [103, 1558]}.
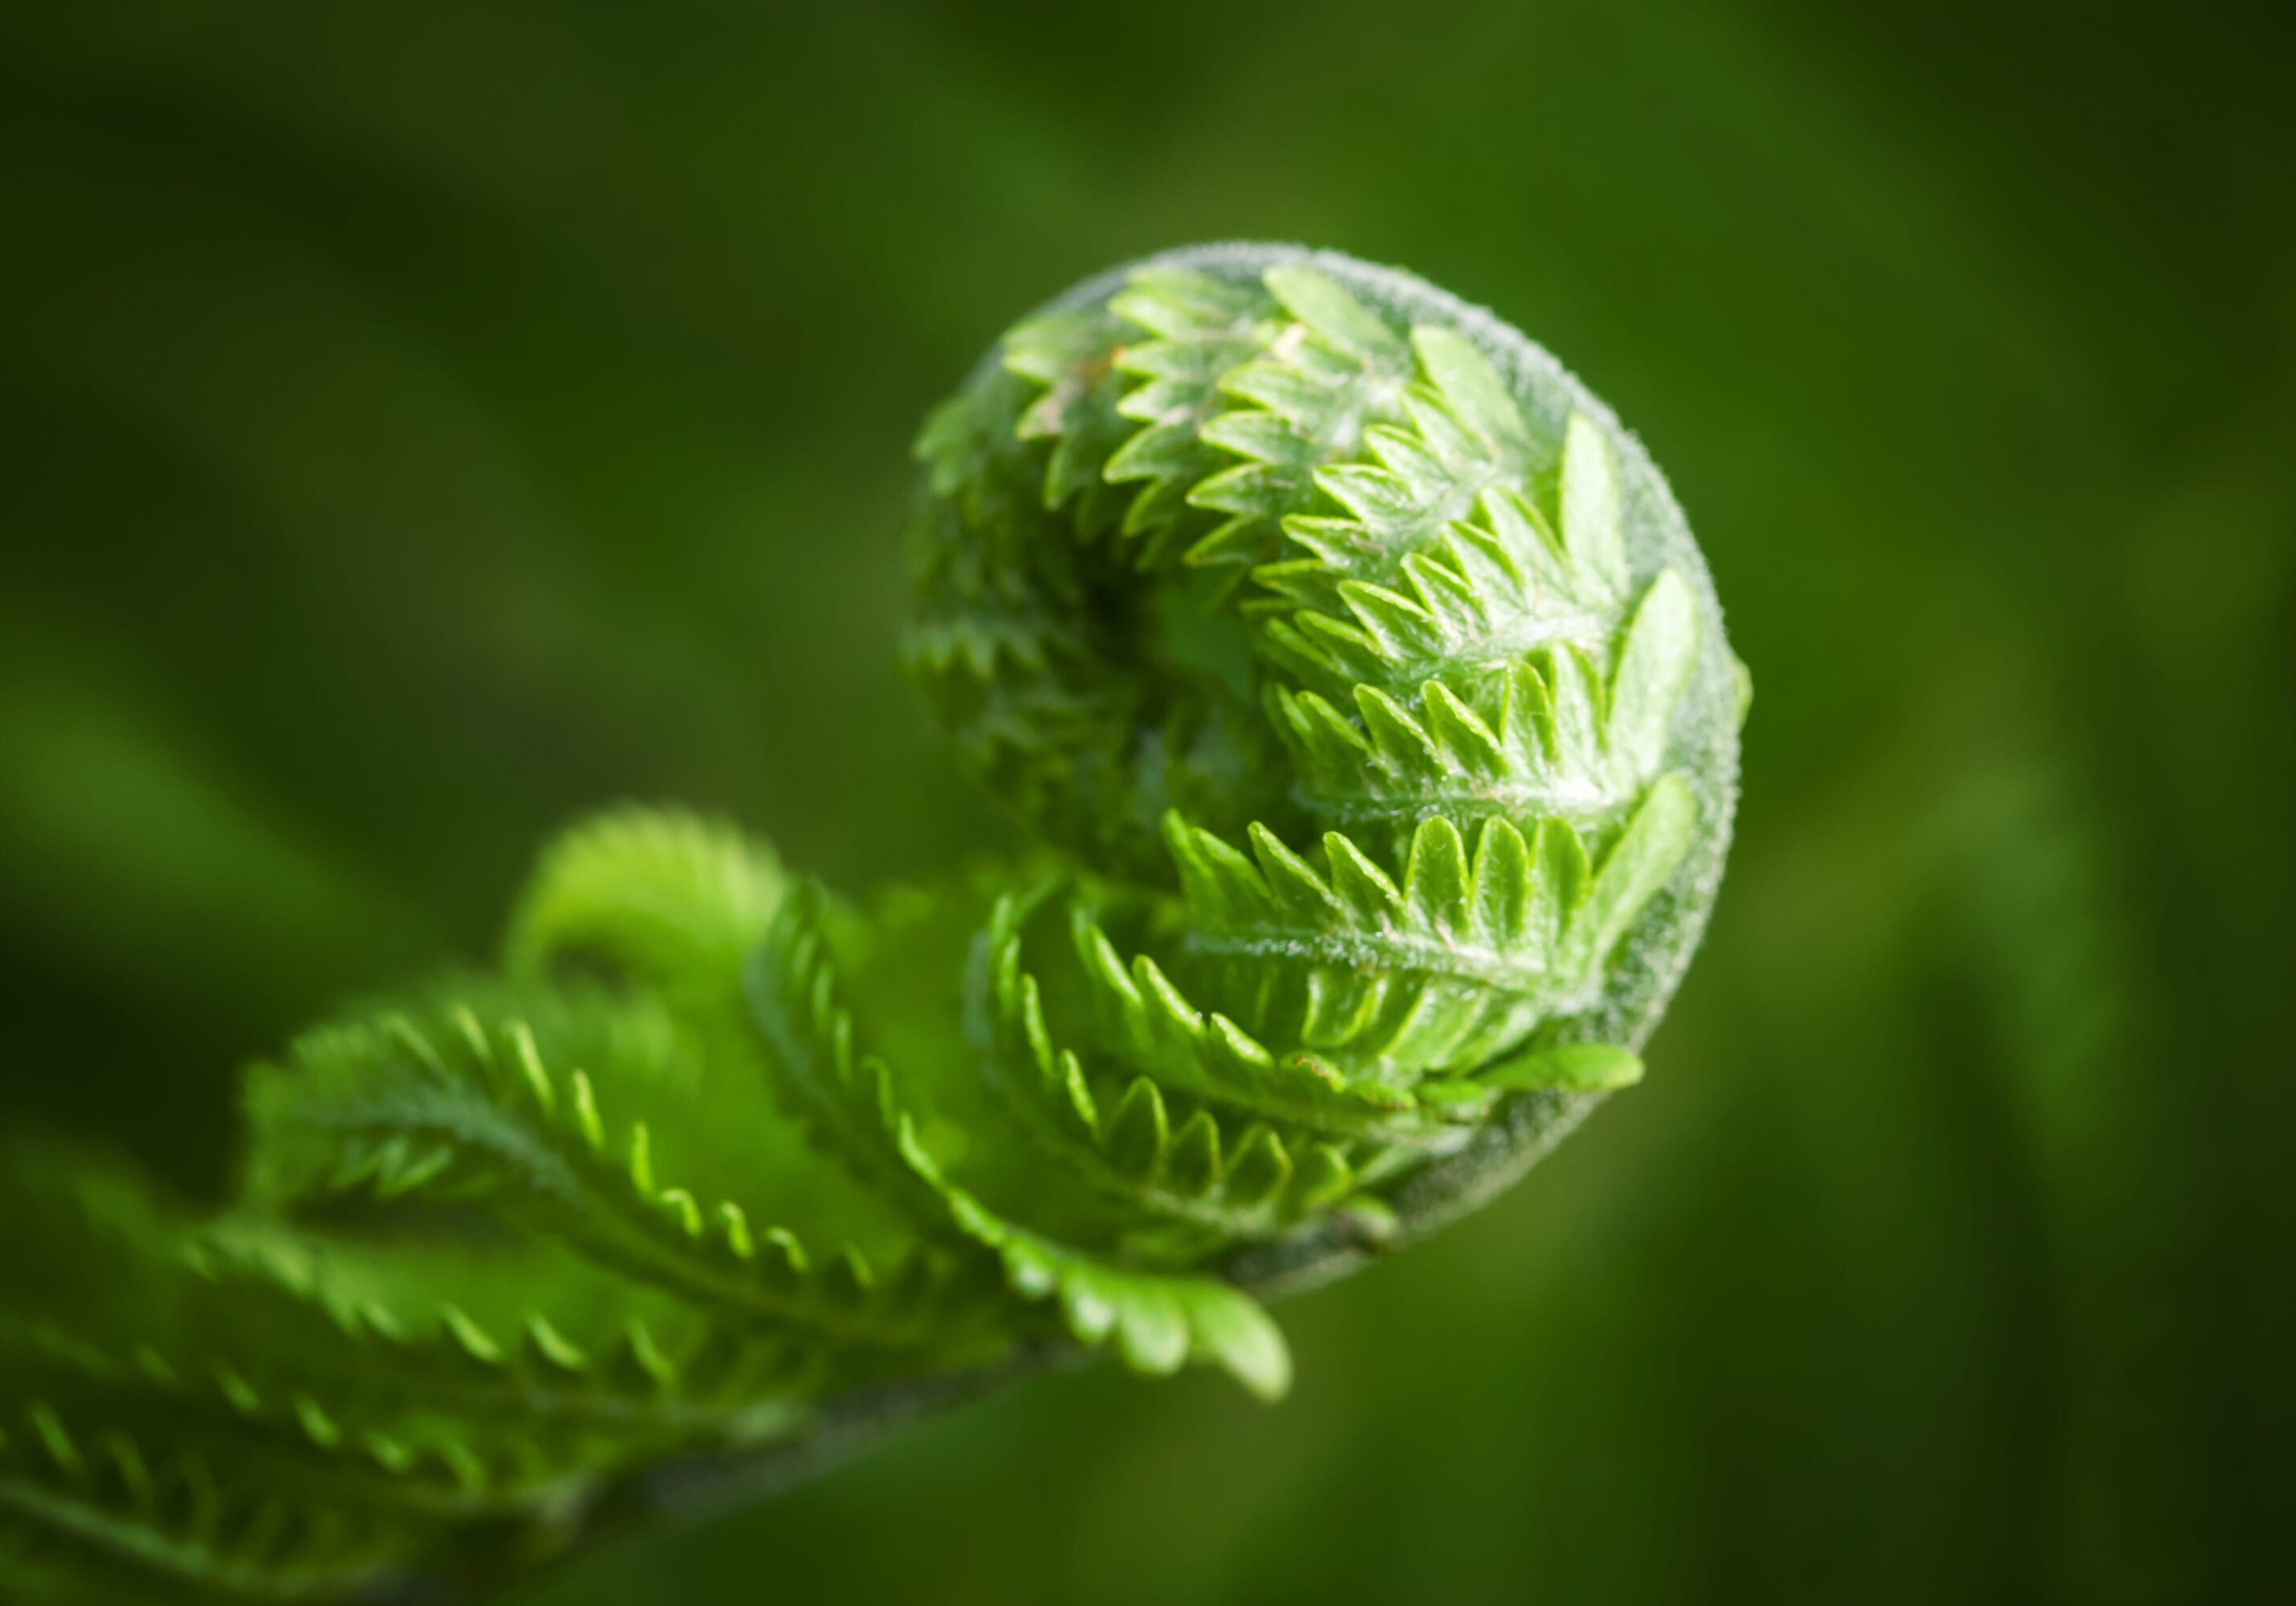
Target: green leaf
{"type": "Point", "coordinates": [1643, 861]}
{"type": "Point", "coordinates": [1583, 1067]}
{"type": "Point", "coordinates": [1122, 1140]}
{"type": "Point", "coordinates": [1070, 355]}
{"type": "Point", "coordinates": [515, 1100]}
{"type": "Point", "coordinates": [1653, 670]}
{"type": "Point", "coordinates": [1591, 513]}
{"type": "Point", "coordinates": [855, 1104]}
{"type": "Point", "coordinates": [1463, 377]}
{"type": "Point", "coordinates": [1317, 301]}
{"type": "Point", "coordinates": [659, 894]}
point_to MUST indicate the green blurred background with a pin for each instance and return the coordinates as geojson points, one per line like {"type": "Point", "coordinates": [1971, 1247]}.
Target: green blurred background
{"type": "Point", "coordinates": [424, 421]}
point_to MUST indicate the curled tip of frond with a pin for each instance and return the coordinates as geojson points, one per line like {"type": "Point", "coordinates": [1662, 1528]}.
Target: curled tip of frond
{"type": "Point", "coordinates": [1387, 672]}
{"type": "Point", "coordinates": [1374, 709]}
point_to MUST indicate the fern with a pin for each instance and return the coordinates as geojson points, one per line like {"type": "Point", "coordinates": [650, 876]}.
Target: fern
{"type": "Point", "coordinates": [1371, 707]}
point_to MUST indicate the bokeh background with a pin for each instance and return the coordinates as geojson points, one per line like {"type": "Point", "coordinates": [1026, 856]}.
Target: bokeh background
{"type": "Point", "coordinates": [423, 421]}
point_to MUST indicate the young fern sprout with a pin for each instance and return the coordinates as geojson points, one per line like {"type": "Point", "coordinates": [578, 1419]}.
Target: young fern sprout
{"type": "Point", "coordinates": [1369, 704]}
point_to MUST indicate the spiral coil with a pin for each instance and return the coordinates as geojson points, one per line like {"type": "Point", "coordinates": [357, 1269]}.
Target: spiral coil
{"type": "Point", "coordinates": [1368, 704]}
{"type": "Point", "coordinates": [1372, 704]}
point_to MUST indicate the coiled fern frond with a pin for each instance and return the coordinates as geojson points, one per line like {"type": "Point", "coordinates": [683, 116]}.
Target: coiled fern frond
{"type": "Point", "coordinates": [1370, 705]}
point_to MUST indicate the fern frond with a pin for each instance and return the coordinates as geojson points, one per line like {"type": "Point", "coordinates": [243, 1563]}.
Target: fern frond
{"type": "Point", "coordinates": [433, 1378]}
{"type": "Point", "coordinates": [96, 1500]}
{"type": "Point", "coordinates": [852, 1101]}
{"type": "Point", "coordinates": [516, 1102]}
{"type": "Point", "coordinates": [1131, 1140]}
{"type": "Point", "coordinates": [1372, 710]}
{"type": "Point", "coordinates": [661, 895]}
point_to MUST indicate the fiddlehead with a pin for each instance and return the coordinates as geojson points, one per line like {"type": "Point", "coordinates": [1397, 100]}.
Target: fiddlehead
{"type": "Point", "coordinates": [1371, 705]}
{"type": "Point", "coordinates": [1377, 697]}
